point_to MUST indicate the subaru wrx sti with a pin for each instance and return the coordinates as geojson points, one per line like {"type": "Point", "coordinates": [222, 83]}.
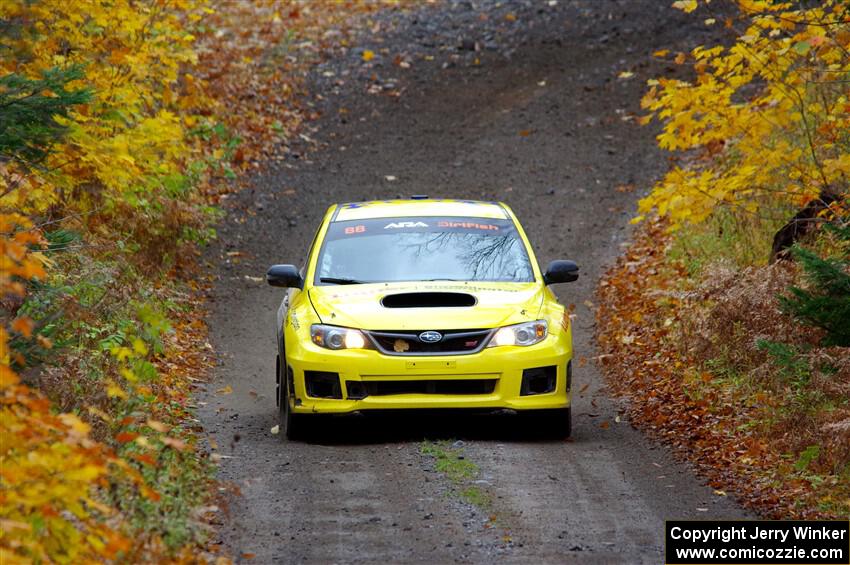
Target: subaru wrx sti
{"type": "Point", "coordinates": [422, 304]}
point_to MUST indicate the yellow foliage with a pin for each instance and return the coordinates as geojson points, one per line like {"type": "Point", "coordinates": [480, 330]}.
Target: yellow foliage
{"type": "Point", "coordinates": [118, 153]}
{"type": "Point", "coordinates": [686, 5]}
{"type": "Point", "coordinates": [765, 120]}
{"type": "Point", "coordinates": [130, 135]}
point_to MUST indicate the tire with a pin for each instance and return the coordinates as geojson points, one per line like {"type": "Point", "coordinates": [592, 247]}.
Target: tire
{"type": "Point", "coordinates": [550, 424]}
{"type": "Point", "coordinates": [292, 426]}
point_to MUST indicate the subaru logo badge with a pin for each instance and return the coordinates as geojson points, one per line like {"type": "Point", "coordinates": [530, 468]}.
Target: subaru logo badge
{"type": "Point", "coordinates": [430, 336]}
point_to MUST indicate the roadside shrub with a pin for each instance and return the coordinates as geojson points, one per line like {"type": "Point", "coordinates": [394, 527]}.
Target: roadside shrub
{"type": "Point", "coordinates": [826, 303]}
{"type": "Point", "coordinates": [735, 309]}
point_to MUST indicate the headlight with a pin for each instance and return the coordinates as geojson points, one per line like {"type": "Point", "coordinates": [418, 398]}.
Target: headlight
{"type": "Point", "coordinates": [334, 337]}
{"type": "Point", "coordinates": [527, 333]}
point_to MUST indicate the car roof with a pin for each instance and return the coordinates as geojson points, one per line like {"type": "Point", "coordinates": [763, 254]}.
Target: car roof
{"type": "Point", "coordinates": [419, 207]}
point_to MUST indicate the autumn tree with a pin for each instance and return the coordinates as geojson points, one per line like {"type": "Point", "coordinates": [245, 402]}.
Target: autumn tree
{"type": "Point", "coordinates": [93, 118]}
{"type": "Point", "coordinates": [764, 122]}
{"type": "Point", "coordinates": [127, 136]}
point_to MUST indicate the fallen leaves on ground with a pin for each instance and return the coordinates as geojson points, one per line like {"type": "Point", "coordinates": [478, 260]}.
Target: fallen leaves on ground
{"type": "Point", "coordinates": [254, 60]}
{"type": "Point", "coordinates": [729, 433]}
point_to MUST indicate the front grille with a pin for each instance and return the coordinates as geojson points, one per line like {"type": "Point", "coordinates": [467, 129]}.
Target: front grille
{"type": "Point", "coordinates": [359, 390]}
{"type": "Point", "coordinates": [406, 342]}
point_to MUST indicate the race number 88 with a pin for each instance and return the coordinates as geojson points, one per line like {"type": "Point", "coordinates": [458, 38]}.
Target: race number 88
{"type": "Point", "coordinates": [355, 229]}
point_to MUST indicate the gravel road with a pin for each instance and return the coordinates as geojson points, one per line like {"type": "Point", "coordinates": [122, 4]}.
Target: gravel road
{"type": "Point", "coordinates": [541, 121]}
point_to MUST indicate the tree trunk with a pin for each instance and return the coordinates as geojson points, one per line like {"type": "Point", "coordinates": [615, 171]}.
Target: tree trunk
{"type": "Point", "coordinates": [798, 226]}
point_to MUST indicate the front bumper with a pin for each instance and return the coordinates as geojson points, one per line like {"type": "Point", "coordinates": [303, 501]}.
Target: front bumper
{"type": "Point", "coordinates": [501, 367]}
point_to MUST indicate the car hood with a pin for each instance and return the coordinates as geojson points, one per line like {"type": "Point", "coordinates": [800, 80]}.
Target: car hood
{"type": "Point", "coordinates": [360, 305]}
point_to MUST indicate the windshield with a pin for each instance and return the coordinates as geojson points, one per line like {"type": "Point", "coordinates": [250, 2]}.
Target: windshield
{"type": "Point", "coordinates": [426, 248]}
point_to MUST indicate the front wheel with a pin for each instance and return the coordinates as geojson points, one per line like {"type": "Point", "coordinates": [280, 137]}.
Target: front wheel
{"type": "Point", "coordinates": [553, 424]}
{"type": "Point", "coordinates": [292, 426]}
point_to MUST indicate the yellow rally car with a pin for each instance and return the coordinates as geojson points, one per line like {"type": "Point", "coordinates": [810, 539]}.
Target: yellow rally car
{"type": "Point", "coordinates": [417, 304]}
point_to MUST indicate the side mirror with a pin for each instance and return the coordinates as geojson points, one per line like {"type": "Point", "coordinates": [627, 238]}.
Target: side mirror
{"type": "Point", "coordinates": [560, 272]}
{"type": "Point", "coordinates": [285, 276]}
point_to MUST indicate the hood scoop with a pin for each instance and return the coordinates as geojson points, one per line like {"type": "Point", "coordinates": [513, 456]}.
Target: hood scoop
{"type": "Point", "coordinates": [428, 300]}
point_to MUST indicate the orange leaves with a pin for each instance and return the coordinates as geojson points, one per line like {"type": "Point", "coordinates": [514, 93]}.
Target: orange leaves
{"type": "Point", "coordinates": [144, 458]}
{"type": "Point", "coordinates": [48, 465]}
{"type": "Point", "coordinates": [18, 263]}
{"type": "Point", "coordinates": [17, 267]}
{"type": "Point", "coordinates": [637, 303]}
{"type": "Point", "coordinates": [650, 326]}
{"type": "Point", "coordinates": [149, 493]}
{"type": "Point", "coordinates": [8, 378]}
{"type": "Point", "coordinates": [126, 437]}
{"type": "Point", "coordinates": [23, 326]}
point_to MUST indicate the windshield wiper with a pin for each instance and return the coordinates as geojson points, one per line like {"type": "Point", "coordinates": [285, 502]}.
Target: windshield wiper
{"type": "Point", "coordinates": [335, 280]}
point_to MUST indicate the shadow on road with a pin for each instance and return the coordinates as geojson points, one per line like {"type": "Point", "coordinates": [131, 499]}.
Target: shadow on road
{"type": "Point", "coordinates": [435, 425]}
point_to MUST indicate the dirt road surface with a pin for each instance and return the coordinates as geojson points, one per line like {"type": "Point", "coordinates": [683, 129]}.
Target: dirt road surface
{"type": "Point", "coordinates": [542, 122]}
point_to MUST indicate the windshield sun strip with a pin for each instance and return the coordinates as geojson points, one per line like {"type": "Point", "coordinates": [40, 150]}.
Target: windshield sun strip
{"type": "Point", "coordinates": [428, 224]}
